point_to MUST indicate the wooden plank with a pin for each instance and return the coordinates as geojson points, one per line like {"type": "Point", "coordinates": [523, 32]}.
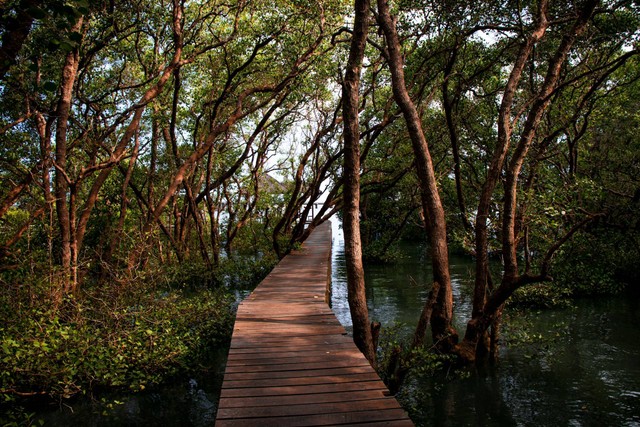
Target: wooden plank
{"type": "Point", "coordinates": [290, 381]}
{"type": "Point", "coordinates": [276, 341]}
{"type": "Point", "coordinates": [351, 370]}
{"type": "Point", "coordinates": [303, 389]}
{"type": "Point", "coordinates": [257, 352]}
{"type": "Point", "coordinates": [304, 317]}
{"type": "Point", "coordinates": [294, 351]}
{"type": "Point", "coordinates": [318, 420]}
{"type": "Point", "coordinates": [280, 346]}
{"type": "Point", "coordinates": [290, 362]}
{"type": "Point", "coordinates": [257, 401]}
{"type": "Point", "coordinates": [288, 357]}
{"type": "Point", "coordinates": [301, 410]}
{"type": "Point", "coordinates": [265, 328]}
{"type": "Point", "coordinates": [297, 367]}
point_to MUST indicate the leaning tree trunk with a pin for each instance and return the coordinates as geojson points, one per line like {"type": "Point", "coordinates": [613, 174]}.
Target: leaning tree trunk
{"type": "Point", "coordinates": [351, 223]}
{"type": "Point", "coordinates": [443, 332]}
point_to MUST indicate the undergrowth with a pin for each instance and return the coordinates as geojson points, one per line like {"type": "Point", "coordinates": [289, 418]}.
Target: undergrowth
{"type": "Point", "coordinates": [101, 339]}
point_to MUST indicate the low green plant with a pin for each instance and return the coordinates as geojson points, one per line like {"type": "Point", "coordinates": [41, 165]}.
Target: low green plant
{"type": "Point", "coordinates": [541, 295]}
{"type": "Point", "coordinates": [18, 416]}
{"type": "Point", "coordinates": [402, 367]}
{"type": "Point", "coordinates": [378, 252]}
{"type": "Point", "coordinates": [108, 339]}
{"type": "Point", "coordinates": [518, 332]}
{"type": "Point", "coordinates": [594, 263]}
{"type": "Point", "coordinates": [397, 358]}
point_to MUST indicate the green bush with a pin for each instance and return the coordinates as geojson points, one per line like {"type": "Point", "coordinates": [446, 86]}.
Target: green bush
{"type": "Point", "coordinates": [541, 295]}
{"type": "Point", "coordinates": [593, 263]}
{"type": "Point", "coordinates": [396, 358]}
{"type": "Point", "coordinates": [377, 253]}
{"type": "Point", "coordinates": [100, 339]}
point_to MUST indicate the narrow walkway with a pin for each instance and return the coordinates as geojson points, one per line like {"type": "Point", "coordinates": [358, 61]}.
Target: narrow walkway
{"type": "Point", "coordinates": [291, 362]}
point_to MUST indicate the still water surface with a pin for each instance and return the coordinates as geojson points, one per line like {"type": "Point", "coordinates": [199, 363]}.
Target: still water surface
{"type": "Point", "coordinates": [582, 370]}
{"type": "Point", "coordinates": [580, 366]}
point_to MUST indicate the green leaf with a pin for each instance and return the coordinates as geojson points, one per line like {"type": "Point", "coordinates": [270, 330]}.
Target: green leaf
{"type": "Point", "coordinates": [67, 46]}
{"type": "Point", "coordinates": [53, 45]}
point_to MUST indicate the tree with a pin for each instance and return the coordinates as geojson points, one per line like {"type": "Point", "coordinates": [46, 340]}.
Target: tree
{"type": "Point", "coordinates": [362, 333]}
{"type": "Point", "coordinates": [441, 314]}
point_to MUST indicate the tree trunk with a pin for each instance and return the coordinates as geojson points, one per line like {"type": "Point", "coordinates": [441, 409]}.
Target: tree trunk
{"type": "Point", "coordinates": [447, 104]}
{"type": "Point", "coordinates": [495, 169]}
{"type": "Point", "coordinates": [540, 104]}
{"type": "Point", "coordinates": [116, 237]}
{"type": "Point", "coordinates": [67, 82]}
{"type": "Point", "coordinates": [488, 309]}
{"type": "Point", "coordinates": [353, 251]}
{"type": "Point", "coordinates": [443, 333]}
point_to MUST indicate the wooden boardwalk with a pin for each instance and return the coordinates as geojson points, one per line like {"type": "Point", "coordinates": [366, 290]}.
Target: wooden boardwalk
{"type": "Point", "coordinates": [291, 362]}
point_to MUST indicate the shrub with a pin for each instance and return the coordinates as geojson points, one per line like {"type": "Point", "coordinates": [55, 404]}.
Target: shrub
{"type": "Point", "coordinates": [541, 295]}
{"type": "Point", "coordinates": [593, 262]}
{"type": "Point", "coordinates": [107, 339]}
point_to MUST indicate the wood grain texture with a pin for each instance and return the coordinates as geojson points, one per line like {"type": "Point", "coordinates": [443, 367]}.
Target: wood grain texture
{"type": "Point", "coordinates": [291, 363]}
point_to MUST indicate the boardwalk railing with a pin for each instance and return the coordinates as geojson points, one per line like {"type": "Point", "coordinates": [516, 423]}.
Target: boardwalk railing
{"type": "Point", "coordinates": [291, 363]}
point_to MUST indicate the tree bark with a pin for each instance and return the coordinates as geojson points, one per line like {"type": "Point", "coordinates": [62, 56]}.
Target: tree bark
{"type": "Point", "coordinates": [351, 223]}
{"type": "Point", "coordinates": [117, 234]}
{"type": "Point", "coordinates": [540, 104]}
{"type": "Point", "coordinates": [134, 125]}
{"type": "Point", "coordinates": [67, 83]}
{"type": "Point", "coordinates": [447, 104]}
{"type": "Point", "coordinates": [497, 161]}
{"type": "Point", "coordinates": [443, 332]}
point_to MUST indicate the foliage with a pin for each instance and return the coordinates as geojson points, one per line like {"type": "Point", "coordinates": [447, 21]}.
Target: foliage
{"type": "Point", "coordinates": [597, 263]}
{"type": "Point", "coordinates": [541, 295]}
{"type": "Point", "coordinates": [242, 271]}
{"type": "Point", "coordinates": [402, 367]}
{"type": "Point", "coordinates": [107, 338]}
{"type": "Point", "coordinates": [396, 357]}
{"type": "Point", "coordinates": [159, 180]}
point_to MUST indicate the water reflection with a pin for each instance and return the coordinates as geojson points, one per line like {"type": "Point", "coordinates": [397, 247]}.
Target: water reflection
{"type": "Point", "coordinates": [584, 371]}
{"type": "Point", "coordinates": [396, 293]}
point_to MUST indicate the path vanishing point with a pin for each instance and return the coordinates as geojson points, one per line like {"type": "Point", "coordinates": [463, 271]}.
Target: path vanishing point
{"type": "Point", "coordinates": [291, 362]}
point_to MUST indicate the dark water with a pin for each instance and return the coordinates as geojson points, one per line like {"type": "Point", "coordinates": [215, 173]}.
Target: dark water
{"type": "Point", "coordinates": [576, 367]}
{"type": "Point", "coordinates": [186, 402]}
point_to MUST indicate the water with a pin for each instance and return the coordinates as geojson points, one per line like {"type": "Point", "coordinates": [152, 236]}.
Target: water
{"type": "Point", "coordinates": [186, 402]}
{"type": "Point", "coordinates": [579, 367]}
{"type": "Point", "coordinates": [396, 292]}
